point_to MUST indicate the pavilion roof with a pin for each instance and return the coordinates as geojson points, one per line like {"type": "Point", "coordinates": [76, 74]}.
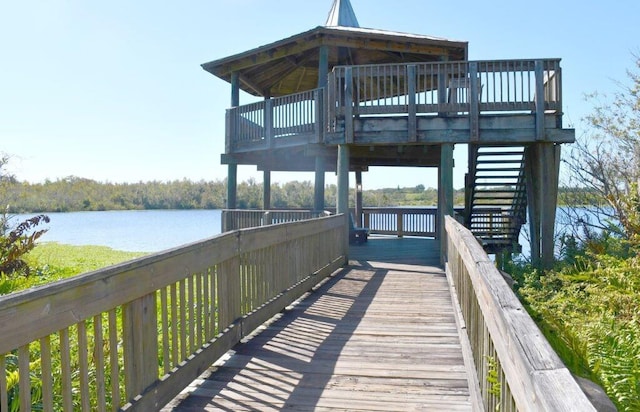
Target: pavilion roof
{"type": "Point", "coordinates": [290, 65]}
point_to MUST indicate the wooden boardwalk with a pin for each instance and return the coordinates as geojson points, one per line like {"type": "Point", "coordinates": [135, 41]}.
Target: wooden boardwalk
{"type": "Point", "coordinates": [380, 335]}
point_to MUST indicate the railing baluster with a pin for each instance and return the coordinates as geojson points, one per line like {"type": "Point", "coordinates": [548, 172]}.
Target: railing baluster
{"type": "Point", "coordinates": [46, 375]}
{"type": "Point", "coordinates": [25, 378]}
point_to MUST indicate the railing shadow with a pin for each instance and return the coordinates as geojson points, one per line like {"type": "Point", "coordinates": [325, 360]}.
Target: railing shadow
{"type": "Point", "coordinates": [289, 363]}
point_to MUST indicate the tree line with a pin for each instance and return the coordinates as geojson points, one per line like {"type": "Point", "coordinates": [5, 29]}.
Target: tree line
{"type": "Point", "coordinates": [80, 194]}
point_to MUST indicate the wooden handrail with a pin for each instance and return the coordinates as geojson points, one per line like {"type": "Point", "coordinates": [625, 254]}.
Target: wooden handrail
{"type": "Point", "coordinates": [234, 219]}
{"type": "Point", "coordinates": [516, 367]}
{"type": "Point", "coordinates": [141, 331]}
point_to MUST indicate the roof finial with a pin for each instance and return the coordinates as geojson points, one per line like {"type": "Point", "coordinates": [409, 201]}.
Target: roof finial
{"type": "Point", "coordinates": [342, 14]}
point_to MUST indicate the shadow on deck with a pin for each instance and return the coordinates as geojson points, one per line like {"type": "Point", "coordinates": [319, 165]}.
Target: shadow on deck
{"type": "Point", "coordinates": [378, 335]}
{"type": "Point", "coordinates": [391, 249]}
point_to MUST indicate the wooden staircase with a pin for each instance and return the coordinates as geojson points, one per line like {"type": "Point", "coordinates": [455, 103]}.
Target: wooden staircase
{"type": "Point", "coordinates": [496, 198]}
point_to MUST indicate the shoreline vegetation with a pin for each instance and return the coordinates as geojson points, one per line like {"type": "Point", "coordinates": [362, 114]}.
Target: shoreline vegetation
{"type": "Point", "coordinates": [73, 194]}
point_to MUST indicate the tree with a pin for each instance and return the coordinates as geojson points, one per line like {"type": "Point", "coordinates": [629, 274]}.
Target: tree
{"type": "Point", "coordinates": [16, 241]}
{"type": "Point", "coordinates": [605, 161]}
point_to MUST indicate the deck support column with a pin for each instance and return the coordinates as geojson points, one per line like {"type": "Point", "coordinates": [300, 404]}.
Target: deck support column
{"type": "Point", "coordinates": [445, 194]}
{"type": "Point", "coordinates": [358, 216]}
{"type": "Point", "coordinates": [542, 167]}
{"type": "Point", "coordinates": [266, 189]}
{"type": "Point", "coordinates": [318, 188]}
{"type": "Point", "coordinates": [342, 200]}
{"type": "Point", "coordinates": [232, 168]}
{"type": "Point", "coordinates": [323, 71]}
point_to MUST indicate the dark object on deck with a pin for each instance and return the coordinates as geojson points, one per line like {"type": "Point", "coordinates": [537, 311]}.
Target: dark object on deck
{"type": "Point", "coordinates": [357, 234]}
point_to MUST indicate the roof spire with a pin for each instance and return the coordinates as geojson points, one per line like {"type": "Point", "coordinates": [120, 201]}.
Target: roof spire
{"type": "Point", "coordinates": [342, 14]}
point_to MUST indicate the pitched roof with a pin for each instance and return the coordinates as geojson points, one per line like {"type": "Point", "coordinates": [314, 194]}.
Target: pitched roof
{"type": "Point", "coordinates": [342, 14]}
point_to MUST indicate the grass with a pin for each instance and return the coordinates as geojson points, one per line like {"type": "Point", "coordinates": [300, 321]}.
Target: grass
{"type": "Point", "coordinates": [54, 261]}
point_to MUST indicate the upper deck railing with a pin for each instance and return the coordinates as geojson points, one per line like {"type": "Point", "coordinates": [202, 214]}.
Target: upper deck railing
{"type": "Point", "coordinates": [410, 90]}
{"type": "Point", "coordinates": [132, 336]}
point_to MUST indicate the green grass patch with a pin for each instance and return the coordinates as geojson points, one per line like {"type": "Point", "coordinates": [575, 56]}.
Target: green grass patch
{"type": "Point", "coordinates": [54, 261]}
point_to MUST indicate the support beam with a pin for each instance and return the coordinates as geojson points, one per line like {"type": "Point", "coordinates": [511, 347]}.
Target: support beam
{"type": "Point", "coordinates": [232, 185]}
{"type": "Point", "coordinates": [358, 216]}
{"type": "Point", "coordinates": [235, 89]}
{"type": "Point", "coordinates": [348, 105]}
{"type": "Point", "coordinates": [542, 162]}
{"type": "Point", "coordinates": [232, 168]}
{"type": "Point", "coordinates": [266, 189]}
{"type": "Point", "coordinates": [533, 173]}
{"type": "Point", "coordinates": [342, 200]}
{"type": "Point", "coordinates": [550, 155]}
{"type": "Point", "coordinates": [445, 194]}
{"type": "Point", "coordinates": [318, 198]}
{"type": "Point", "coordinates": [323, 66]}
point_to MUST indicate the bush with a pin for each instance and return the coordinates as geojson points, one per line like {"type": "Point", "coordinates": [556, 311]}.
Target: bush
{"type": "Point", "coordinates": [17, 242]}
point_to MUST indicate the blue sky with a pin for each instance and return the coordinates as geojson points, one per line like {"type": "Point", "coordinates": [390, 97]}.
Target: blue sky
{"type": "Point", "coordinates": [114, 91]}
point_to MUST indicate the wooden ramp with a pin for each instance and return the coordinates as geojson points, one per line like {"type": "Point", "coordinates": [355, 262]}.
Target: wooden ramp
{"type": "Point", "coordinates": [376, 336]}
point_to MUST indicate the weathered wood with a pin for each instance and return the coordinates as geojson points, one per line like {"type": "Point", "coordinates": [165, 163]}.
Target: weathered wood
{"type": "Point", "coordinates": [445, 193]}
{"type": "Point", "coordinates": [536, 377]}
{"type": "Point", "coordinates": [539, 100]}
{"type": "Point", "coordinates": [348, 106]}
{"type": "Point", "coordinates": [411, 110]}
{"type": "Point", "coordinates": [224, 276]}
{"type": "Point", "coordinates": [318, 188]}
{"type": "Point", "coordinates": [375, 337]}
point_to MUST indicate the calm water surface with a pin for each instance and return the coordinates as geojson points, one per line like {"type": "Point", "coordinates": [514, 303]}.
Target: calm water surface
{"type": "Point", "coordinates": [132, 230]}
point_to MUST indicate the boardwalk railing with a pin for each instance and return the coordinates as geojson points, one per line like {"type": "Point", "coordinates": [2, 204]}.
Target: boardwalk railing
{"type": "Point", "coordinates": [234, 219]}
{"type": "Point", "coordinates": [397, 221]}
{"type": "Point", "coordinates": [440, 88]}
{"type": "Point", "coordinates": [516, 367]}
{"type": "Point", "coordinates": [132, 336]}
{"type": "Point", "coordinates": [400, 221]}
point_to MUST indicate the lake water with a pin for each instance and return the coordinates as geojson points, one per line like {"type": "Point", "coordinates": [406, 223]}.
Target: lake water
{"type": "Point", "coordinates": [131, 230]}
{"type": "Point", "coordinates": [145, 230]}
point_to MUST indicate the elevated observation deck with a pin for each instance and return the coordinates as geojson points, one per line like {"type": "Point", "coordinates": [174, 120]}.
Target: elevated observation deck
{"type": "Point", "coordinates": [394, 114]}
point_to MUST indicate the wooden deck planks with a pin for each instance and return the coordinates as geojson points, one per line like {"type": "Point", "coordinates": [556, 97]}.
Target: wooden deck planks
{"type": "Point", "coordinates": [376, 337]}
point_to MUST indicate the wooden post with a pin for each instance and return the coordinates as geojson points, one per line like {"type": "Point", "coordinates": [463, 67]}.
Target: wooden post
{"type": "Point", "coordinates": [442, 88]}
{"type": "Point", "coordinates": [266, 190]}
{"type": "Point", "coordinates": [469, 182]}
{"type": "Point", "coordinates": [411, 90]}
{"type": "Point", "coordinates": [342, 201]}
{"type": "Point", "coordinates": [474, 102]}
{"type": "Point", "coordinates": [532, 176]}
{"type": "Point", "coordinates": [318, 199]}
{"type": "Point", "coordinates": [323, 71]}
{"type": "Point", "coordinates": [358, 217]}
{"type": "Point", "coordinates": [539, 71]}
{"type": "Point", "coordinates": [323, 66]}
{"type": "Point", "coordinates": [232, 183]}
{"type": "Point", "coordinates": [235, 89]}
{"type": "Point", "coordinates": [550, 155]}
{"type": "Point", "coordinates": [542, 166]}
{"type": "Point", "coordinates": [268, 123]}
{"type": "Point", "coordinates": [140, 344]}
{"type": "Point", "coordinates": [445, 194]}
{"type": "Point", "coordinates": [348, 105]}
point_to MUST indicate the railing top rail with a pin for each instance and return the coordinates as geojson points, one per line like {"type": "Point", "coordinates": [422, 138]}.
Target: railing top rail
{"type": "Point", "coordinates": [449, 63]}
{"type": "Point", "coordinates": [537, 378]}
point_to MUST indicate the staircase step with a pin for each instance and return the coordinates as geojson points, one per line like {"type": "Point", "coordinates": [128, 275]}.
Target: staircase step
{"type": "Point", "coordinates": [499, 161]}
{"type": "Point", "coordinates": [498, 169]}
{"type": "Point", "coordinates": [498, 153]}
